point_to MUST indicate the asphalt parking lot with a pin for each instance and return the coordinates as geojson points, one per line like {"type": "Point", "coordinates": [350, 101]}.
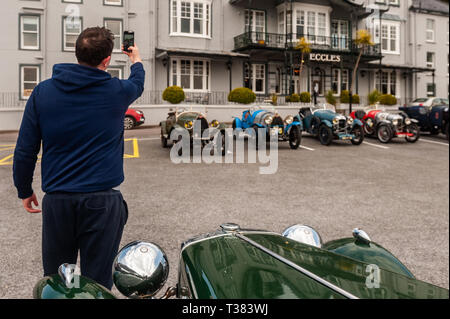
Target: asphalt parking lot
{"type": "Point", "coordinates": [398, 193]}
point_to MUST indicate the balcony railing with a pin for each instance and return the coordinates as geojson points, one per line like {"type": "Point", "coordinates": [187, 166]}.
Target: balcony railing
{"type": "Point", "coordinates": [289, 41]}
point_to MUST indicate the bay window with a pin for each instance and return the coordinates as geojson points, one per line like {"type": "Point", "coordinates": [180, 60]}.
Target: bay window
{"type": "Point", "coordinates": [389, 36]}
{"type": "Point", "coordinates": [190, 18]}
{"type": "Point", "coordinates": [190, 74]}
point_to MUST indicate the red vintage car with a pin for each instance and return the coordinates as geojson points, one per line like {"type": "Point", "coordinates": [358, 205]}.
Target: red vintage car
{"type": "Point", "coordinates": [133, 118]}
{"type": "Point", "coordinates": [386, 126]}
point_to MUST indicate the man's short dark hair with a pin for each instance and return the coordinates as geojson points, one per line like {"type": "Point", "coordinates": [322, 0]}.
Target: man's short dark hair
{"type": "Point", "coordinates": [94, 45]}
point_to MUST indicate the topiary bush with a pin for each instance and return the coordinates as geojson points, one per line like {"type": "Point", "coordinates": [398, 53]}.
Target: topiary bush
{"type": "Point", "coordinates": [345, 98]}
{"type": "Point", "coordinates": [374, 97]}
{"type": "Point", "coordinates": [330, 98]}
{"type": "Point", "coordinates": [388, 99]}
{"type": "Point", "coordinates": [305, 97]}
{"type": "Point", "coordinates": [174, 95]}
{"type": "Point", "coordinates": [242, 96]}
{"type": "Point", "coordinates": [294, 98]}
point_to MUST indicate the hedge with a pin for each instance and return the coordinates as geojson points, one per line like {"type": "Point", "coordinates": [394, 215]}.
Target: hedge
{"type": "Point", "coordinates": [388, 99]}
{"type": "Point", "coordinates": [345, 97]}
{"type": "Point", "coordinates": [305, 97]}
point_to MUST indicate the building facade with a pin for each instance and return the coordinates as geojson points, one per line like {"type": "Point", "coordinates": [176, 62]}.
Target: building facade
{"type": "Point", "coordinates": [212, 46]}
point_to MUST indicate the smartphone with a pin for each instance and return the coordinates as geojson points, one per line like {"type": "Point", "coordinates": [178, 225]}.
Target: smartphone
{"type": "Point", "coordinates": [128, 40]}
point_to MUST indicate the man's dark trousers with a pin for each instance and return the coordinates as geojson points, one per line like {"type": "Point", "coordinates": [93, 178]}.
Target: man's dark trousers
{"type": "Point", "coordinates": [92, 223]}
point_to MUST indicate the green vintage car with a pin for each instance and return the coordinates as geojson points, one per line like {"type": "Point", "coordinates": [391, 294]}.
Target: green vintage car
{"type": "Point", "coordinates": [195, 123]}
{"type": "Point", "coordinates": [233, 263]}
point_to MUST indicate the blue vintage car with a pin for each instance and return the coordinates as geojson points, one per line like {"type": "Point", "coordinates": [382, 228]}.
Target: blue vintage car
{"type": "Point", "coordinates": [433, 119]}
{"type": "Point", "coordinates": [289, 129]}
{"type": "Point", "coordinates": [328, 125]}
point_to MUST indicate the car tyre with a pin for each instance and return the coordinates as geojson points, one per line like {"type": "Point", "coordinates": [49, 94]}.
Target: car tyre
{"type": "Point", "coordinates": [164, 142]}
{"type": "Point", "coordinates": [295, 137]}
{"type": "Point", "coordinates": [325, 135]}
{"type": "Point", "coordinates": [369, 130]}
{"type": "Point", "coordinates": [413, 129]}
{"type": "Point", "coordinates": [384, 134]}
{"type": "Point", "coordinates": [129, 123]}
{"type": "Point", "coordinates": [315, 126]}
{"type": "Point", "coordinates": [359, 133]}
{"type": "Point", "coordinates": [434, 131]}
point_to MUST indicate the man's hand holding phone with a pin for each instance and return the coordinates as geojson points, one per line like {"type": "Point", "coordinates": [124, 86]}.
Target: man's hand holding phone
{"type": "Point", "coordinates": [133, 53]}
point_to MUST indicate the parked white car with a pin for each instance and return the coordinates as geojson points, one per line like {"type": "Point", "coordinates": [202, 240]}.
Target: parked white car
{"type": "Point", "coordinates": [429, 101]}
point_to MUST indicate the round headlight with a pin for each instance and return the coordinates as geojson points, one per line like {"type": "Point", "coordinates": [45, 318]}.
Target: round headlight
{"type": "Point", "coordinates": [395, 122]}
{"type": "Point", "coordinates": [289, 120]}
{"type": "Point", "coordinates": [335, 121]}
{"type": "Point", "coordinates": [408, 121]}
{"type": "Point", "coordinates": [303, 234]}
{"type": "Point", "coordinates": [268, 120]}
{"type": "Point", "coordinates": [369, 122]}
{"type": "Point", "coordinates": [350, 121]}
{"type": "Point", "coordinates": [188, 125]}
{"type": "Point", "coordinates": [215, 123]}
{"type": "Point", "coordinates": [140, 270]}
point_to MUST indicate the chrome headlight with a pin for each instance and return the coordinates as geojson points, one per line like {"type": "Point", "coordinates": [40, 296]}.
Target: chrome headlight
{"type": "Point", "coordinates": [303, 234]}
{"type": "Point", "coordinates": [408, 121]}
{"type": "Point", "coordinates": [395, 122]}
{"type": "Point", "coordinates": [188, 125]}
{"type": "Point", "coordinates": [335, 121]}
{"type": "Point", "coordinates": [289, 120]}
{"type": "Point", "coordinates": [350, 121]}
{"type": "Point", "coordinates": [369, 122]}
{"type": "Point", "coordinates": [215, 123]}
{"type": "Point", "coordinates": [268, 120]}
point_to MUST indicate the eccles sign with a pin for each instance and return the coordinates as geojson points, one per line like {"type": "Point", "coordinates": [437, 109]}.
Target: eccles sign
{"type": "Point", "coordinates": [325, 57]}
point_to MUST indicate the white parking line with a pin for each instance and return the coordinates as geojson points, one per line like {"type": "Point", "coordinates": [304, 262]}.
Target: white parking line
{"type": "Point", "coordinates": [375, 145]}
{"type": "Point", "coordinates": [307, 148]}
{"type": "Point", "coordinates": [428, 141]}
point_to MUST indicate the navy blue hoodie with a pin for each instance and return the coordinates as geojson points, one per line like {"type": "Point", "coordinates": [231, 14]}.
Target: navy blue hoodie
{"type": "Point", "coordinates": [78, 116]}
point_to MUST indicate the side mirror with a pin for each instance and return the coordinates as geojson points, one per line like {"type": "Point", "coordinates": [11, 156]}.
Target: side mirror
{"type": "Point", "coordinates": [140, 270]}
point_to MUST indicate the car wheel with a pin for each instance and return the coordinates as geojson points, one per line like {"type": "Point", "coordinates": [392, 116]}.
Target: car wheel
{"type": "Point", "coordinates": [129, 123]}
{"type": "Point", "coordinates": [315, 125]}
{"type": "Point", "coordinates": [295, 137]}
{"type": "Point", "coordinates": [325, 135]}
{"type": "Point", "coordinates": [359, 135]}
{"type": "Point", "coordinates": [369, 130]}
{"type": "Point", "coordinates": [164, 143]}
{"type": "Point", "coordinates": [384, 134]}
{"type": "Point", "coordinates": [434, 131]}
{"type": "Point", "coordinates": [413, 129]}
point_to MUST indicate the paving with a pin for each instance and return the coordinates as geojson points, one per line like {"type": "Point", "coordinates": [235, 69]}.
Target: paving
{"type": "Point", "coordinates": [398, 193]}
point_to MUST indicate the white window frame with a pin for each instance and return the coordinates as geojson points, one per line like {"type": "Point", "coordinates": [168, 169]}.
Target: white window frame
{"type": "Point", "coordinates": [430, 31]}
{"type": "Point", "coordinates": [206, 73]}
{"type": "Point", "coordinates": [120, 35]}
{"type": "Point", "coordinates": [253, 78]}
{"type": "Point", "coordinates": [22, 79]}
{"type": "Point", "coordinates": [379, 37]}
{"type": "Point", "coordinates": [65, 33]}
{"type": "Point", "coordinates": [340, 82]}
{"type": "Point", "coordinates": [37, 32]}
{"type": "Point", "coordinates": [432, 63]}
{"type": "Point", "coordinates": [389, 83]}
{"type": "Point", "coordinates": [113, 3]}
{"type": "Point", "coordinates": [175, 13]}
{"type": "Point", "coordinates": [115, 68]}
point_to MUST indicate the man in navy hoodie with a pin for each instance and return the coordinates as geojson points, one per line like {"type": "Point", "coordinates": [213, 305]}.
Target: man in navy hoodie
{"type": "Point", "coordinates": [78, 117]}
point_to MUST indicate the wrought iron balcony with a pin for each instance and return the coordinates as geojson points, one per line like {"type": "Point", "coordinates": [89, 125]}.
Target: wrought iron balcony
{"type": "Point", "coordinates": [264, 40]}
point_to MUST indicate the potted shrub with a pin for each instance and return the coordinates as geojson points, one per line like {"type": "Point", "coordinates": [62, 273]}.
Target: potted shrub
{"type": "Point", "coordinates": [305, 97]}
{"type": "Point", "coordinates": [294, 98]}
{"type": "Point", "coordinates": [174, 95]}
{"type": "Point", "coordinates": [330, 98]}
{"type": "Point", "coordinates": [374, 97]}
{"type": "Point", "coordinates": [388, 99]}
{"type": "Point", "coordinates": [242, 96]}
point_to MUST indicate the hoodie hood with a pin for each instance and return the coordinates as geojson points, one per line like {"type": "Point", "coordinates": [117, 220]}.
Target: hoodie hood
{"type": "Point", "coordinates": [74, 77]}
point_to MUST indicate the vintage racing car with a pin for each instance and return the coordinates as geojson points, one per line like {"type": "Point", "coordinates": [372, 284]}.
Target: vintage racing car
{"type": "Point", "coordinates": [234, 263]}
{"type": "Point", "coordinates": [288, 129]}
{"type": "Point", "coordinates": [328, 125]}
{"type": "Point", "coordinates": [386, 126]}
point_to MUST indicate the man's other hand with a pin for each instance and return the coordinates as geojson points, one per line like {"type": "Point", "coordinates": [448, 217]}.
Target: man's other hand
{"type": "Point", "coordinates": [134, 55]}
{"type": "Point", "coordinates": [28, 204]}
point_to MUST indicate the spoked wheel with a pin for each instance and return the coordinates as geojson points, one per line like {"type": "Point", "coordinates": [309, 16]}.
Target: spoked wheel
{"type": "Point", "coordinates": [369, 127]}
{"type": "Point", "coordinates": [358, 131]}
{"type": "Point", "coordinates": [129, 123]}
{"type": "Point", "coordinates": [295, 137]}
{"type": "Point", "coordinates": [164, 142]}
{"type": "Point", "coordinates": [385, 134]}
{"type": "Point", "coordinates": [413, 129]}
{"type": "Point", "coordinates": [325, 135]}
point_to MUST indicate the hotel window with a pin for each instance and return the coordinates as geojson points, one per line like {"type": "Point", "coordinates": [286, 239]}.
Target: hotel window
{"type": "Point", "coordinates": [430, 30]}
{"type": "Point", "coordinates": [313, 25]}
{"type": "Point", "coordinates": [431, 89]}
{"type": "Point", "coordinates": [29, 79]}
{"type": "Point", "coordinates": [190, 18]}
{"type": "Point", "coordinates": [388, 82]}
{"type": "Point", "coordinates": [340, 34]}
{"type": "Point", "coordinates": [430, 59]}
{"type": "Point", "coordinates": [113, 3]}
{"type": "Point", "coordinates": [116, 27]}
{"type": "Point", "coordinates": [115, 72]}
{"type": "Point", "coordinates": [390, 37]}
{"type": "Point", "coordinates": [72, 28]}
{"type": "Point", "coordinates": [191, 74]}
{"type": "Point", "coordinates": [339, 81]}
{"type": "Point", "coordinates": [29, 32]}
{"type": "Point", "coordinates": [255, 77]}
